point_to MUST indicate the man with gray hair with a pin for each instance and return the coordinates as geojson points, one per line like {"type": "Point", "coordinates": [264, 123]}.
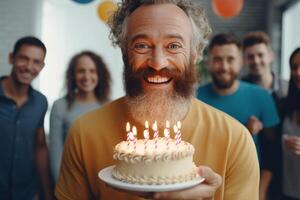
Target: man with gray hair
{"type": "Point", "coordinates": [161, 42]}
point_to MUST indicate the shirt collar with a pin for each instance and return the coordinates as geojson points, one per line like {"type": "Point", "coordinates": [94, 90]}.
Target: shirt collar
{"type": "Point", "coordinates": [30, 90]}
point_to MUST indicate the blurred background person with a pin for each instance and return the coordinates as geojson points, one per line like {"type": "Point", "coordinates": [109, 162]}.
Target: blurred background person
{"type": "Point", "coordinates": [258, 58]}
{"type": "Point", "coordinates": [24, 160]}
{"type": "Point", "coordinates": [248, 103]}
{"type": "Point", "coordinates": [88, 87]}
{"type": "Point", "coordinates": [291, 132]}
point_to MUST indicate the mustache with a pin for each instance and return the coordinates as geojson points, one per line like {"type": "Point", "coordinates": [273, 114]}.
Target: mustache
{"type": "Point", "coordinates": [149, 71]}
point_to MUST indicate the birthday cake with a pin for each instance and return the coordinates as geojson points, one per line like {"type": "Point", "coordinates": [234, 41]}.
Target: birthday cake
{"type": "Point", "coordinates": [161, 160]}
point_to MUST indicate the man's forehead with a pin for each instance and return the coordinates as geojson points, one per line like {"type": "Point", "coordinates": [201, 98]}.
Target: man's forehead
{"type": "Point", "coordinates": [158, 15]}
{"type": "Point", "coordinates": [258, 47]}
{"type": "Point", "coordinates": [32, 51]}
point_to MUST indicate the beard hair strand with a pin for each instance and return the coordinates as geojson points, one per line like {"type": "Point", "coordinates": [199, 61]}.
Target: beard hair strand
{"type": "Point", "coordinates": [155, 106]}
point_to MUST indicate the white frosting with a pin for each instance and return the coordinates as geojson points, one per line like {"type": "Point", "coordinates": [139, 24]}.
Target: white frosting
{"type": "Point", "coordinates": [159, 163]}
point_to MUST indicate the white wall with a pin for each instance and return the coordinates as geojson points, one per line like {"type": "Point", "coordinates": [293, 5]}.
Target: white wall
{"type": "Point", "coordinates": [290, 35]}
{"type": "Point", "coordinates": [67, 29]}
{"type": "Point", "coordinates": [18, 18]}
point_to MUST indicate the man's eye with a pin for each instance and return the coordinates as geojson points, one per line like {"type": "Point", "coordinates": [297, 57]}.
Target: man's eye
{"type": "Point", "coordinates": [174, 46]}
{"type": "Point", "coordinates": [142, 47]}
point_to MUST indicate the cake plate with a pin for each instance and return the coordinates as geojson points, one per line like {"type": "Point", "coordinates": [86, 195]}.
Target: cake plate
{"type": "Point", "coordinates": [106, 176]}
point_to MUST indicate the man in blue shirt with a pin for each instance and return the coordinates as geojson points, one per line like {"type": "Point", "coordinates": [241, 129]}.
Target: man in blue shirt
{"type": "Point", "coordinates": [23, 150]}
{"type": "Point", "coordinates": [249, 104]}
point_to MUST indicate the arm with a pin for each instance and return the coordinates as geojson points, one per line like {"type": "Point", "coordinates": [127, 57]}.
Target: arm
{"type": "Point", "coordinates": [271, 143]}
{"type": "Point", "coordinates": [42, 164]}
{"type": "Point", "coordinates": [56, 142]}
{"type": "Point", "coordinates": [265, 179]}
{"type": "Point", "coordinates": [270, 146]}
{"type": "Point", "coordinates": [254, 125]}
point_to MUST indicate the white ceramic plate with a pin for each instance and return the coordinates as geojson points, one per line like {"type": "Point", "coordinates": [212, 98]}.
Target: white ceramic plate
{"type": "Point", "coordinates": [105, 175]}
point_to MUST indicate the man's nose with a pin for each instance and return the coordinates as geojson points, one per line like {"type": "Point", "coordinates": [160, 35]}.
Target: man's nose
{"type": "Point", "coordinates": [30, 65]}
{"type": "Point", "coordinates": [224, 65]}
{"type": "Point", "coordinates": [159, 59]}
{"type": "Point", "coordinates": [256, 59]}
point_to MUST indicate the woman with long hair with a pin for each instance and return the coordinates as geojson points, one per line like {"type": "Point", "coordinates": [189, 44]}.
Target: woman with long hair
{"type": "Point", "coordinates": [88, 87]}
{"type": "Point", "coordinates": [291, 132]}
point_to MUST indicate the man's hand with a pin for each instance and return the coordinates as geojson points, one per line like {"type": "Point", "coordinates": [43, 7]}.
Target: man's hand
{"type": "Point", "coordinates": [292, 143]}
{"type": "Point", "coordinates": [205, 190]}
{"type": "Point", "coordinates": [254, 125]}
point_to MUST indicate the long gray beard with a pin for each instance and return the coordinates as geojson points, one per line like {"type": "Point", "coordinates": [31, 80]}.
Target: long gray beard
{"type": "Point", "coordinates": [158, 106]}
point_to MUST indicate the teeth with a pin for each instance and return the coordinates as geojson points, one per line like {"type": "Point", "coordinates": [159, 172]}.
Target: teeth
{"type": "Point", "coordinates": [157, 79]}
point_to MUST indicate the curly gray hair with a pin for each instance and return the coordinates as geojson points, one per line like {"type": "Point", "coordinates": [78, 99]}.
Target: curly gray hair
{"type": "Point", "coordinates": [196, 14]}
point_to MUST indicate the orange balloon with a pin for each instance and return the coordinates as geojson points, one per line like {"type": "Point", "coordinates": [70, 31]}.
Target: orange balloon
{"type": "Point", "coordinates": [227, 8]}
{"type": "Point", "coordinates": [106, 9]}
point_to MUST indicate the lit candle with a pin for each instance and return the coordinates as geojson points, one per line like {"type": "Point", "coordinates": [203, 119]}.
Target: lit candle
{"type": "Point", "coordinates": [134, 131]}
{"type": "Point", "coordinates": [178, 132]}
{"type": "Point", "coordinates": [146, 134]}
{"type": "Point", "coordinates": [156, 134]}
{"type": "Point", "coordinates": [167, 133]}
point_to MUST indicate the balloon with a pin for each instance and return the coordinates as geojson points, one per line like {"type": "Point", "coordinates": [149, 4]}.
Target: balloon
{"type": "Point", "coordinates": [227, 8]}
{"type": "Point", "coordinates": [83, 1]}
{"type": "Point", "coordinates": [106, 9]}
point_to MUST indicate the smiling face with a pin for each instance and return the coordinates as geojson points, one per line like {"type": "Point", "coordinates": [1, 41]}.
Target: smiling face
{"type": "Point", "coordinates": [86, 77]}
{"type": "Point", "coordinates": [27, 63]}
{"type": "Point", "coordinates": [224, 65]}
{"type": "Point", "coordinates": [159, 58]}
{"type": "Point", "coordinates": [258, 58]}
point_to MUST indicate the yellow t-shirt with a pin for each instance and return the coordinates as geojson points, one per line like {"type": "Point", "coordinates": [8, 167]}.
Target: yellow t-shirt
{"type": "Point", "coordinates": [220, 142]}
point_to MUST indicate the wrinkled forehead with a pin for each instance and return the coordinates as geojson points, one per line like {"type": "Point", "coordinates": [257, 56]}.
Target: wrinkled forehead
{"type": "Point", "coordinates": [158, 18]}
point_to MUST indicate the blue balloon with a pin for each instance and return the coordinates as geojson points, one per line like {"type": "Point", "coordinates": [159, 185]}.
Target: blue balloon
{"type": "Point", "coordinates": [83, 1]}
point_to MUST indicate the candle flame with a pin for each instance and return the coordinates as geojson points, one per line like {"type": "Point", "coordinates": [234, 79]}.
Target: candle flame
{"type": "Point", "coordinates": [167, 124]}
{"type": "Point", "coordinates": [127, 127]}
{"type": "Point", "coordinates": [146, 124]}
{"type": "Point", "coordinates": [134, 131]}
{"type": "Point", "coordinates": [175, 128]}
{"type": "Point", "coordinates": [179, 125]}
